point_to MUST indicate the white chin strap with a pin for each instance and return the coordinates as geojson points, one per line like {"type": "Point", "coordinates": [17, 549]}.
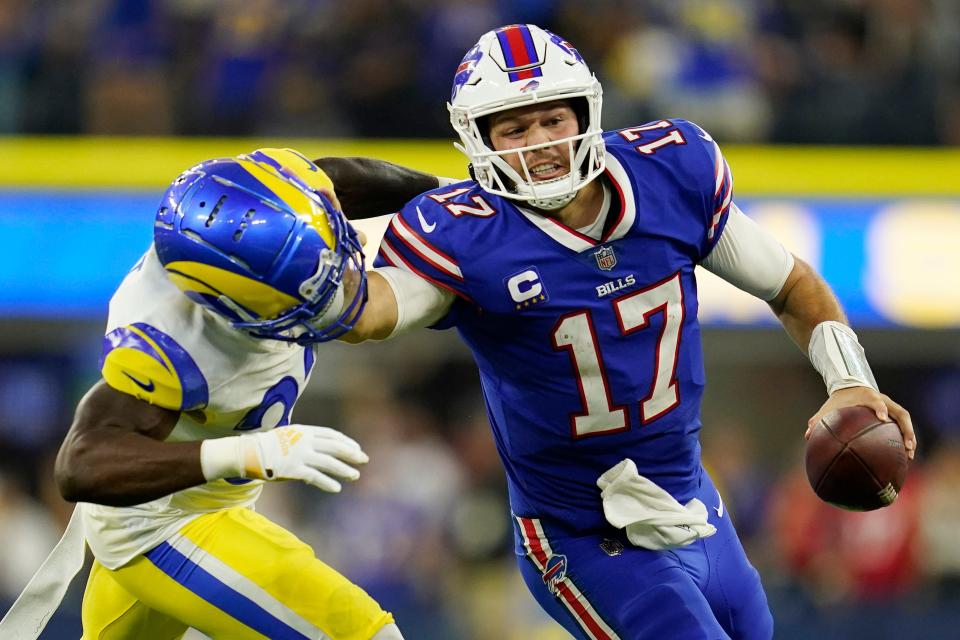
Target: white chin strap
{"type": "Point", "coordinates": [547, 202]}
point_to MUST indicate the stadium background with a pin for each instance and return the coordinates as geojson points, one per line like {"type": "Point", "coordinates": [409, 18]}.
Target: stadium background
{"type": "Point", "coordinates": [841, 122]}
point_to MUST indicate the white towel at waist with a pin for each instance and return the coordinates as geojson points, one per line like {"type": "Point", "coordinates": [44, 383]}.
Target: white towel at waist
{"type": "Point", "coordinates": [651, 517]}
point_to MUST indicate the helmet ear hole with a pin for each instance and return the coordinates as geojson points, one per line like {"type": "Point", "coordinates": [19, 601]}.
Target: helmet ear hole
{"type": "Point", "coordinates": [581, 108]}
{"type": "Point", "coordinates": [483, 125]}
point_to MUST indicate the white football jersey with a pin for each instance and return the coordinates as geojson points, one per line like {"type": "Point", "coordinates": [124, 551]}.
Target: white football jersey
{"type": "Point", "coordinates": [169, 351]}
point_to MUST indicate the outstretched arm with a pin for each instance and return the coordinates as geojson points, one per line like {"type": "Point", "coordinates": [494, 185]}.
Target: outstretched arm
{"type": "Point", "coordinates": [379, 317]}
{"type": "Point", "coordinates": [804, 302]}
{"type": "Point", "coordinates": [398, 301]}
{"type": "Point", "coordinates": [751, 259]}
{"type": "Point", "coordinates": [812, 316]}
{"type": "Point", "coordinates": [367, 187]}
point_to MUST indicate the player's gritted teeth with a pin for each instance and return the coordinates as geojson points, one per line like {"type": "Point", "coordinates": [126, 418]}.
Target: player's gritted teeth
{"type": "Point", "coordinates": [547, 171]}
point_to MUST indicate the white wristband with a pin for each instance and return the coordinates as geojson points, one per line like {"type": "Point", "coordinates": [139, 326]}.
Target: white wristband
{"type": "Point", "coordinates": [222, 458]}
{"type": "Point", "coordinates": [836, 353]}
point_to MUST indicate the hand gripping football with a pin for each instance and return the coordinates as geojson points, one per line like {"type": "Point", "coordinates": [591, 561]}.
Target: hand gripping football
{"type": "Point", "coordinates": [855, 460]}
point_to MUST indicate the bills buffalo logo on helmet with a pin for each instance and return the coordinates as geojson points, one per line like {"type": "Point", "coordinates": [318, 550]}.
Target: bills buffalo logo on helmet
{"type": "Point", "coordinates": [566, 46]}
{"type": "Point", "coordinates": [465, 70]}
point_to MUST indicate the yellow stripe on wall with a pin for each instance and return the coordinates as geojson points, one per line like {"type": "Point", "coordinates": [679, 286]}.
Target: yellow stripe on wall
{"type": "Point", "coordinates": [151, 163]}
{"type": "Point", "coordinates": [844, 171]}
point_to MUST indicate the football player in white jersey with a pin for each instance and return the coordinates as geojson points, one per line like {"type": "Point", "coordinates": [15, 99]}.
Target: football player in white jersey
{"type": "Point", "coordinates": [168, 453]}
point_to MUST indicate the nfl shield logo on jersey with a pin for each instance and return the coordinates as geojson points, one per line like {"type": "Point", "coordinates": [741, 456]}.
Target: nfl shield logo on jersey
{"type": "Point", "coordinates": [606, 258]}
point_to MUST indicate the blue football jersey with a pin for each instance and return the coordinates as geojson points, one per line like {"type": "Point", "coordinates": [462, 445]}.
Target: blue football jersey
{"type": "Point", "coordinates": [589, 351]}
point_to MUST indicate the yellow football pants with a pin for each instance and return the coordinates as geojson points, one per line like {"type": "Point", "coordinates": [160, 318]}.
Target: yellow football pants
{"type": "Point", "coordinates": [231, 574]}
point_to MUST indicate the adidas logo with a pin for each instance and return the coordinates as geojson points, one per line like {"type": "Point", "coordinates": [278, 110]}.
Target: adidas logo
{"type": "Point", "coordinates": [288, 438]}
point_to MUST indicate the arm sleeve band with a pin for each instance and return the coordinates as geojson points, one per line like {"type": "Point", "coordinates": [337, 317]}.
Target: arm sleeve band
{"type": "Point", "coordinates": [836, 353]}
{"type": "Point", "coordinates": [419, 303]}
{"type": "Point", "coordinates": [749, 258]}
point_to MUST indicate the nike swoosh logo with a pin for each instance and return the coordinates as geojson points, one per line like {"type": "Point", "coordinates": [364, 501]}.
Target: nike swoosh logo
{"type": "Point", "coordinates": [427, 228]}
{"type": "Point", "coordinates": [719, 509]}
{"type": "Point", "coordinates": [147, 386]}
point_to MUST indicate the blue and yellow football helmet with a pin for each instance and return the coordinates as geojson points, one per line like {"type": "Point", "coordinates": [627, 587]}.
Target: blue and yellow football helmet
{"type": "Point", "coordinates": [253, 239]}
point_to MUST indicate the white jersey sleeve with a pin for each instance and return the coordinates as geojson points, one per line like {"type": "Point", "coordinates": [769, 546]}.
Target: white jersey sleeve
{"type": "Point", "coordinates": [749, 258]}
{"type": "Point", "coordinates": [419, 303]}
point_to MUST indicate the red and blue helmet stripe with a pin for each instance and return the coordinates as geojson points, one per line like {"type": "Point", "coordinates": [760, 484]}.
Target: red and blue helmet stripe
{"type": "Point", "coordinates": [519, 52]}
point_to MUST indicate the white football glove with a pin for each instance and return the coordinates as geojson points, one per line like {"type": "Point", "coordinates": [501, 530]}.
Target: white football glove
{"type": "Point", "coordinates": [294, 452]}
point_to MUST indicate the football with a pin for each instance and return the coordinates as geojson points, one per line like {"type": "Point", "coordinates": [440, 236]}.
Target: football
{"type": "Point", "coordinates": [855, 460]}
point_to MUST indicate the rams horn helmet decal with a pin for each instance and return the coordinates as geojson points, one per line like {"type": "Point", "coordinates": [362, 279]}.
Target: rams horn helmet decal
{"type": "Point", "coordinates": [253, 239]}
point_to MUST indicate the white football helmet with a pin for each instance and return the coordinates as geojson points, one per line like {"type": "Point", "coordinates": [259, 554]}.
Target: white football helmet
{"type": "Point", "coordinates": [516, 66]}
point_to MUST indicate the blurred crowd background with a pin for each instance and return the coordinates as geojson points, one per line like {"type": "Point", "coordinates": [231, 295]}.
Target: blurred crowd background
{"type": "Point", "coordinates": [797, 71]}
{"type": "Point", "coordinates": [426, 530]}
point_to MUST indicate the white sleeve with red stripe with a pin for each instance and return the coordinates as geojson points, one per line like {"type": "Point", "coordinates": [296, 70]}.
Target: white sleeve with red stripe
{"type": "Point", "coordinates": [407, 246]}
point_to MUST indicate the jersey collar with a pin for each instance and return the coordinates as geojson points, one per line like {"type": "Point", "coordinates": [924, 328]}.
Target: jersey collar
{"type": "Point", "coordinates": [576, 241]}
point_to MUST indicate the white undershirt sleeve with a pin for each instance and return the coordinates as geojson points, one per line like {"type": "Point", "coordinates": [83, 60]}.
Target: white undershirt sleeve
{"type": "Point", "coordinates": [419, 303]}
{"type": "Point", "coordinates": [749, 258]}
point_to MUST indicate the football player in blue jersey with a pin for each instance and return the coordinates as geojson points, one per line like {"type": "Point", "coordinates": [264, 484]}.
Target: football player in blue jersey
{"type": "Point", "coordinates": [567, 266]}
{"type": "Point", "coordinates": [169, 452]}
